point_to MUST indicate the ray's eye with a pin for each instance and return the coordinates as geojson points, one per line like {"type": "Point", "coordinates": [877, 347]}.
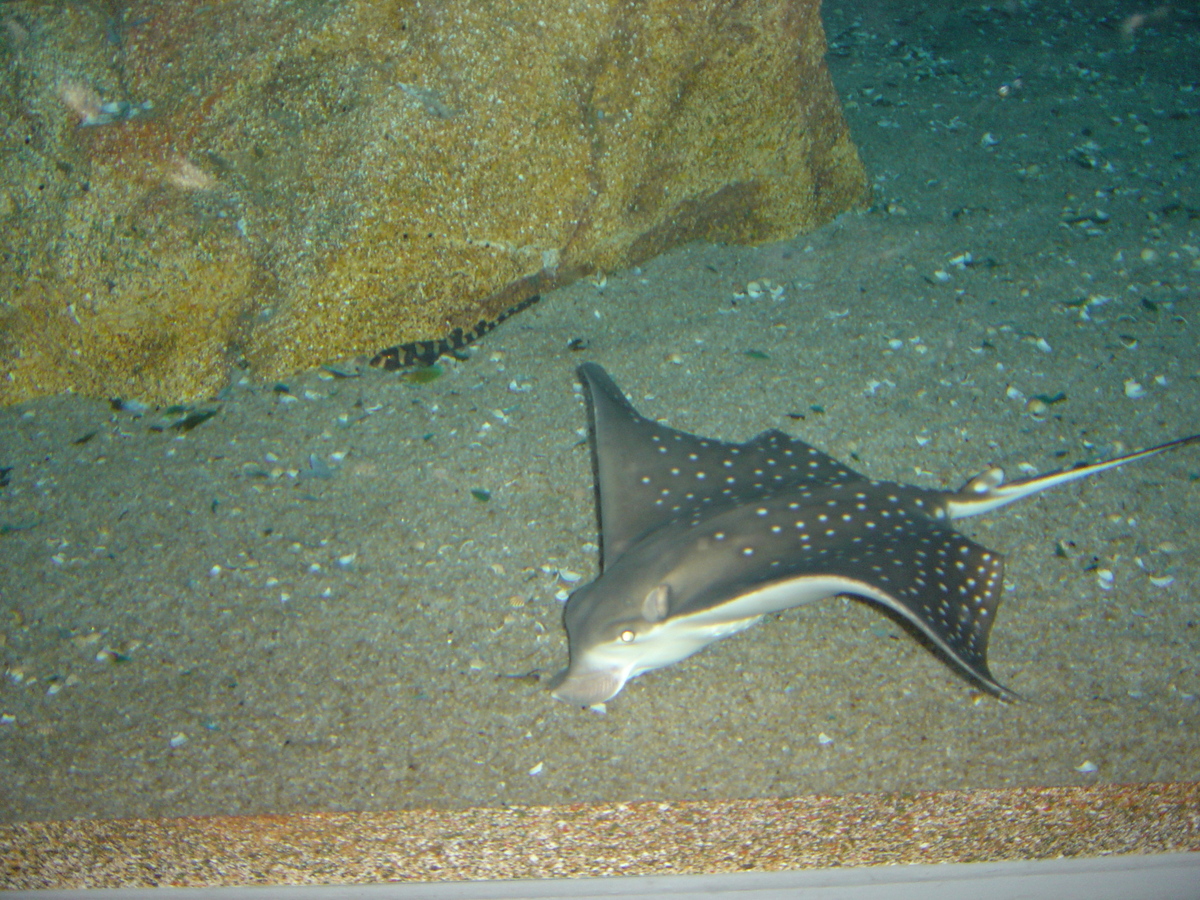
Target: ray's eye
{"type": "Point", "coordinates": [627, 636]}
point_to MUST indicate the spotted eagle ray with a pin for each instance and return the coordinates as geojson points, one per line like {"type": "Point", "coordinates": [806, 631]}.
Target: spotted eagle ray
{"type": "Point", "coordinates": [701, 538]}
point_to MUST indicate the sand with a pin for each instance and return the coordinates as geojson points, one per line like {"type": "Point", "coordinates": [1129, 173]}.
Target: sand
{"type": "Point", "coordinates": [302, 603]}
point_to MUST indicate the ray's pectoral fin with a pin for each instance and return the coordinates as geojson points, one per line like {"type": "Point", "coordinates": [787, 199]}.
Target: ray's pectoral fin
{"type": "Point", "coordinates": [635, 459]}
{"type": "Point", "coordinates": [934, 579]}
{"type": "Point", "coordinates": [950, 592]}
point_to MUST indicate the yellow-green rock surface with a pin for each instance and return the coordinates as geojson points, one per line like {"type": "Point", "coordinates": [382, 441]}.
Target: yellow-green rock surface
{"type": "Point", "coordinates": [194, 189]}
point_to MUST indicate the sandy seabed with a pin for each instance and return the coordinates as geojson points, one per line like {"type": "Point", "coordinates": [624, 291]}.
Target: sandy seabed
{"type": "Point", "coordinates": [302, 603]}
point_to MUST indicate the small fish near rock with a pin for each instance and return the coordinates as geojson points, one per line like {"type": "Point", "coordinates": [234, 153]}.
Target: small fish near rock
{"type": "Point", "coordinates": [426, 353]}
{"type": "Point", "coordinates": [702, 538]}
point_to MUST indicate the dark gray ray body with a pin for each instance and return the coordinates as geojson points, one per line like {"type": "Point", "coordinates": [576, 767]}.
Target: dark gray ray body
{"type": "Point", "coordinates": [700, 538]}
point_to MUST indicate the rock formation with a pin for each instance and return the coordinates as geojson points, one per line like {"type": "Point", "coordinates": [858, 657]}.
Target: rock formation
{"type": "Point", "coordinates": [197, 188]}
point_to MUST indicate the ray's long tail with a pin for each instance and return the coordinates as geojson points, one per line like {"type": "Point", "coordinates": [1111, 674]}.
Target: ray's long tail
{"type": "Point", "coordinates": [987, 490]}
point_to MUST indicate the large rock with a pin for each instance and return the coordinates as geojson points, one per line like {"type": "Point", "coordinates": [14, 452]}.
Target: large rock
{"type": "Point", "coordinates": [195, 187]}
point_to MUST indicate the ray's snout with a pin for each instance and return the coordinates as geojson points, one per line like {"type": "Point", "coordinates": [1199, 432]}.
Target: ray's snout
{"type": "Point", "coordinates": [587, 687]}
